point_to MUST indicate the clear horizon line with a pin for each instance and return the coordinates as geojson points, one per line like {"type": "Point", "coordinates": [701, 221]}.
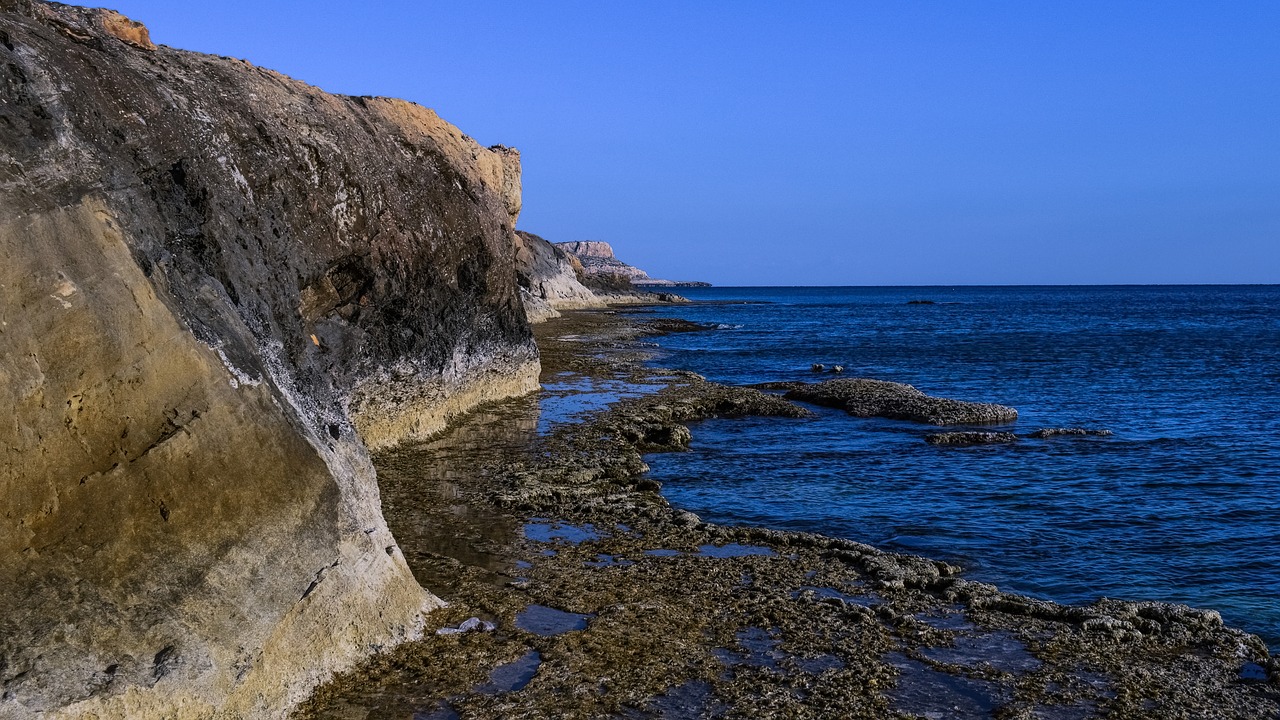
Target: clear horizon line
{"type": "Point", "coordinates": [975, 285]}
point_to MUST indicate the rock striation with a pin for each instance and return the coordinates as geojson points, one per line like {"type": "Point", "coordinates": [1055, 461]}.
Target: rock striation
{"type": "Point", "coordinates": [599, 263]}
{"type": "Point", "coordinates": [897, 401]}
{"type": "Point", "coordinates": [218, 287]}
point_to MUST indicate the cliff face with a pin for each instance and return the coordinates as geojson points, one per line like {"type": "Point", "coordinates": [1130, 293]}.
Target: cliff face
{"type": "Point", "coordinates": [550, 279]}
{"type": "Point", "coordinates": [601, 266]}
{"type": "Point", "coordinates": [218, 285]}
{"type": "Point", "coordinates": [597, 259]}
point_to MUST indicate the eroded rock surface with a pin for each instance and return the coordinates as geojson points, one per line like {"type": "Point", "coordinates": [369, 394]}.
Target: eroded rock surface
{"type": "Point", "coordinates": [218, 285]}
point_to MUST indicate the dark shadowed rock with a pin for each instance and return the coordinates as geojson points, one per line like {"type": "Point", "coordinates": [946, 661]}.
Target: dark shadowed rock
{"type": "Point", "coordinates": [672, 326]}
{"type": "Point", "coordinates": [880, 398]}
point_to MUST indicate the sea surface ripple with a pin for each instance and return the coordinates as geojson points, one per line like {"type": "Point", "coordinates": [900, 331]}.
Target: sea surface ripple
{"type": "Point", "coordinates": [1181, 504]}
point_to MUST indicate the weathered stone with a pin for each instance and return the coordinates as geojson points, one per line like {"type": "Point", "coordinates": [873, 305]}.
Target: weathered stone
{"type": "Point", "coordinates": [217, 285]}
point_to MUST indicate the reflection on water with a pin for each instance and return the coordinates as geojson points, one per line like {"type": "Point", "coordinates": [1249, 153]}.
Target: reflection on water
{"type": "Point", "coordinates": [548, 621]}
{"type": "Point", "coordinates": [546, 531]}
{"type": "Point", "coordinates": [432, 493]}
{"type": "Point", "coordinates": [512, 676]}
{"type": "Point", "coordinates": [921, 690]}
{"type": "Point", "coordinates": [566, 397]}
{"type": "Point", "coordinates": [428, 496]}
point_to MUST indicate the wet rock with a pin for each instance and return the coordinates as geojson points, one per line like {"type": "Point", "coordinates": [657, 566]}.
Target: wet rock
{"type": "Point", "coordinates": [666, 437]}
{"type": "Point", "coordinates": [474, 624]}
{"type": "Point", "coordinates": [970, 438]}
{"type": "Point", "coordinates": [670, 326]}
{"type": "Point", "coordinates": [1055, 432]}
{"type": "Point", "coordinates": [647, 485]}
{"type": "Point", "coordinates": [879, 398]}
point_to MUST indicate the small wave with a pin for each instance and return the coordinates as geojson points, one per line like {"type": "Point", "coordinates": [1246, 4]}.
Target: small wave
{"type": "Point", "coordinates": [727, 326]}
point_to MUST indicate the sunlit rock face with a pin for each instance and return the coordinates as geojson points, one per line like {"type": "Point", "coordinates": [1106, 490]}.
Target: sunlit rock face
{"type": "Point", "coordinates": [550, 279]}
{"type": "Point", "coordinates": [218, 287]}
{"type": "Point", "coordinates": [597, 259]}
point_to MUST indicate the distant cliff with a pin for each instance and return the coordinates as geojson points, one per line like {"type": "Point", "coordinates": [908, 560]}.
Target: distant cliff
{"type": "Point", "coordinates": [599, 262]}
{"type": "Point", "coordinates": [553, 279]}
{"type": "Point", "coordinates": [550, 279]}
{"type": "Point", "coordinates": [219, 286]}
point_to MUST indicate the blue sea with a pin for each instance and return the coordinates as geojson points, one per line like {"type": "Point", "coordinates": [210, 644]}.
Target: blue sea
{"type": "Point", "coordinates": [1181, 504]}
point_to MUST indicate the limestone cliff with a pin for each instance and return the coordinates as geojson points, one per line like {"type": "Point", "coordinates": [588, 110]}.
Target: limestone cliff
{"type": "Point", "coordinates": [218, 285]}
{"type": "Point", "coordinates": [550, 279]}
{"type": "Point", "coordinates": [601, 265]}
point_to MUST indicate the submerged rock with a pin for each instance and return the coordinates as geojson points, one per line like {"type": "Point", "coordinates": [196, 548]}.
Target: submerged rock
{"type": "Point", "coordinates": [897, 401]}
{"type": "Point", "coordinates": [671, 326]}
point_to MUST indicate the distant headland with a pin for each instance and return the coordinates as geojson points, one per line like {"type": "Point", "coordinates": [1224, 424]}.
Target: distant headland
{"type": "Point", "coordinates": [598, 260]}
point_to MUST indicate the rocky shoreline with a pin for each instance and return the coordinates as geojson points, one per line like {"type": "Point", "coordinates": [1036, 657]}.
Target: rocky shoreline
{"type": "Point", "coordinates": [608, 602]}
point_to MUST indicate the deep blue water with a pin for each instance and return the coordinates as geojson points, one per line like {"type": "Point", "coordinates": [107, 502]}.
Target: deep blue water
{"type": "Point", "coordinates": [1181, 504]}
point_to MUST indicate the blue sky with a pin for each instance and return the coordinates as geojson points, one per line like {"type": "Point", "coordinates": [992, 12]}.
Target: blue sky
{"type": "Point", "coordinates": [816, 143]}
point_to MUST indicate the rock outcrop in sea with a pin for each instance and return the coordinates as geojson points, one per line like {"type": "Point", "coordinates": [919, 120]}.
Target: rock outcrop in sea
{"type": "Point", "coordinates": [880, 398]}
{"type": "Point", "coordinates": [970, 438]}
{"type": "Point", "coordinates": [219, 287]}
